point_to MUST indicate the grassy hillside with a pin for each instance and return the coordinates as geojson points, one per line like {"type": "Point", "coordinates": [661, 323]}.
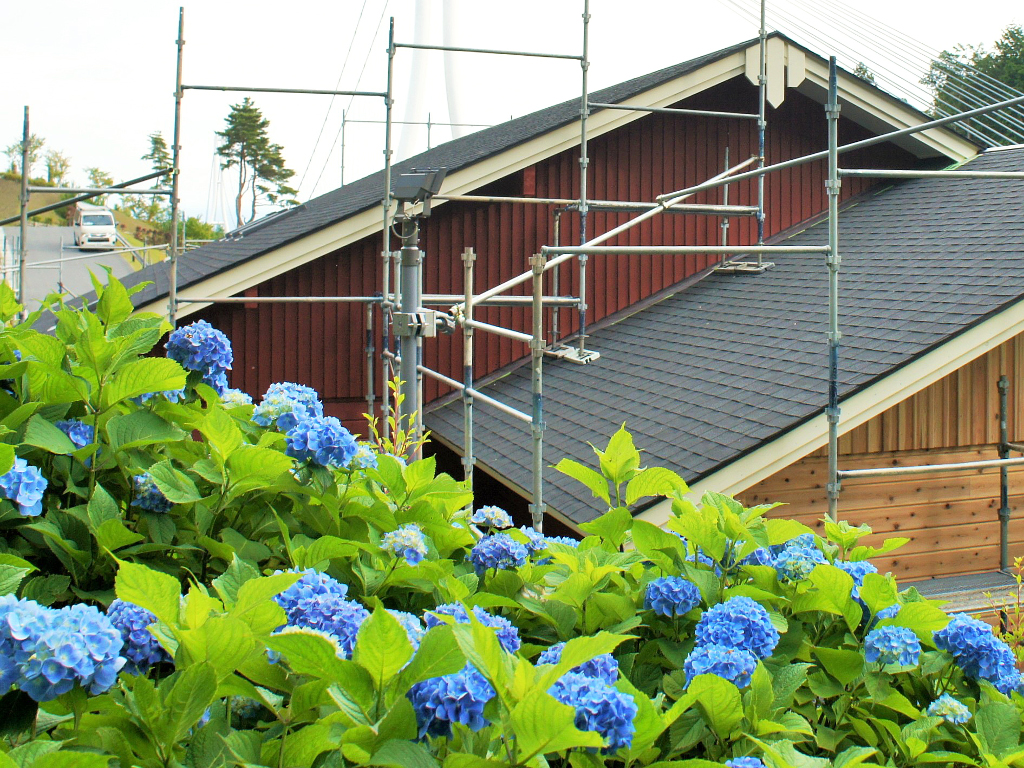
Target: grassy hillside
{"type": "Point", "coordinates": [10, 196]}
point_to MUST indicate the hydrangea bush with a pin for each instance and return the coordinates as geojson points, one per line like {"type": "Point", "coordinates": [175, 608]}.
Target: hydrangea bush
{"type": "Point", "coordinates": [195, 581]}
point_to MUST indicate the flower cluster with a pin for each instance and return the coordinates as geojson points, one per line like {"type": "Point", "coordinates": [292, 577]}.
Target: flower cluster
{"type": "Point", "coordinates": [979, 653]}
{"type": "Point", "coordinates": [857, 569]}
{"type": "Point", "coordinates": [286, 404]}
{"type": "Point", "coordinates": [457, 698]}
{"type": "Point", "coordinates": [141, 649]}
{"type": "Point", "coordinates": [46, 652]}
{"type": "Point", "coordinates": [733, 664]}
{"type": "Point", "coordinates": [308, 592]}
{"type": "Point", "coordinates": [671, 596]}
{"type": "Point", "coordinates": [759, 556]}
{"type": "Point", "coordinates": [412, 625]}
{"type": "Point", "coordinates": [499, 551]}
{"type": "Point", "coordinates": [741, 624]}
{"type": "Point", "coordinates": [795, 559]}
{"type": "Point", "coordinates": [317, 602]}
{"type": "Point", "coordinates": [172, 395]}
{"type": "Point", "coordinates": [406, 542]}
{"type": "Point", "coordinates": [201, 347]}
{"type": "Point", "coordinates": [949, 709]}
{"type": "Point", "coordinates": [892, 645]}
{"type": "Point", "coordinates": [364, 457]}
{"type": "Point", "coordinates": [508, 635]}
{"type": "Point", "coordinates": [80, 433]}
{"type": "Point", "coordinates": [538, 542]}
{"type": "Point", "coordinates": [603, 667]}
{"type": "Point", "coordinates": [148, 496]}
{"type": "Point", "coordinates": [494, 517]}
{"type": "Point", "coordinates": [744, 762]}
{"type": "Point", "coordinates": [233, 398]}
{"type": "Point", "coordinates": [24, 485]}
{"type": "Point", "coordinates": [599, 708]}
{"type": "Point", "coordinates": [321, 440]}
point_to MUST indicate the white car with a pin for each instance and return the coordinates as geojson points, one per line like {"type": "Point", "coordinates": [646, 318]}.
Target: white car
{"type": "Point", "coordinates": [94, 228]}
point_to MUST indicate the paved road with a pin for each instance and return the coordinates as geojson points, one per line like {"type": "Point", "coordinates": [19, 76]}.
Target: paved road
{"type": "Point", "coordinates": [44, 245]}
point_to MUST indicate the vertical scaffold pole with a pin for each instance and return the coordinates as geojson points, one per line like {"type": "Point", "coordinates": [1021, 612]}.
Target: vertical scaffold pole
{"type": "Point", "coordinates": [468, 459]}
{"type": "Point", "coordinates": [409, 338]}
{"type": "Point", "coordinates": [725, 201]}
{"type": "Point", "coordinates": [584, 162]}
{"type": "Point", "coordinates": [556, 234]}
{"type": "Point", "coordinates": [23, 223]}
{"type": "Point", "coordinates": [370, 350]}
{"type": "Point", "coordinates": [832, 186]}
{"type": "Point", "coordinates": [385, 254]}
{"type": "Point", "coordinates": [172, 277]}
{"type": "Point", "coordinates": [537, 346]}
{"type": "Point", "coordinates": [762, 87]}
{"type": "Point", "coordinates": [1004, 478]}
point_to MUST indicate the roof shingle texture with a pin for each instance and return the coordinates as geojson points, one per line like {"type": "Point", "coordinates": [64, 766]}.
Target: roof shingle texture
{"type": "Point", "coordinates": [734, 361]}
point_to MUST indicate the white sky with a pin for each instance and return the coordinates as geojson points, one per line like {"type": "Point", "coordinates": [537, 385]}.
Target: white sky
{"type": "Point", "coordinates": [99, 77]}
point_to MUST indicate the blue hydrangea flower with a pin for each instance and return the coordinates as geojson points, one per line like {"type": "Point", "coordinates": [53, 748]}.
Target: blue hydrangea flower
{"type": "Point", "coordinates": [732, 664]}
{"type": "Point", "coordinates": [407, 542]}
{"type": "Point", "coordinates": [335, 616]}
{"type": "Point", "coordinates": [457, 698]}
{"type": "Point", "coordinates": [24, 485]}
{"type": "Point", "coordinates": [499, 551]}
{"type": "Point", "coordinates": [412, 625]}
{"type": "Point", "coordinates": [59, 649]}
{"type": "Point", "coordinates": [759, 556]}
{"type": "Point", "coordinates": [148, 496]}
{"type": "Point", "coordinates": [796, 563]}
{"type": "Point", "coordinates": [979, 653]}
{"type": "Point", "coordinates": [567, 541]}
{"type": "Point", "coordinates": [1010, 682]}
{"type": "Point", "coordinates": [364, 458]}
{"type": "Point", "coordinates": [599, 708]}
{"type": "Point", "coordinates": [892, 645]}
{"type": "Point", "coordinates": [492, 516]}
{"type": "Point", "coordinates": [508, 635]}
{"type": "Point", "coordinates": [603, 667]}
{"type": "Point", "coordinates": [744, 762]}
{"type": "Point", "coordinates": [307, 594]}
{"type": "Point", "coordinates": [286, 404]}
{"type": "Point", "coordinates": [671, 596]}
{"type": "Point", "coordinates": [21, 621]}
{"type": "Point", "coordinates": [321, 440]}
{"type": "Point", "coordinates": [739, 623]}
{"type": "Point", "coordinates": [233, 398]}
{"type": "Point", "coordinates": [78, 431]}
{"type": "Point", "coordinates": [246, 710]}
{"type": "Point", "coordinates": [201, 347]}
{"type": "Point", "coordinates": [858, 569]}
{"type": "Point", "coordinates": [141, 649]}
{"type": "Point", "coordinates": [537, 540]}
{"type": "Point", "coordinates": [172, 395]}
{"type": "Point", "coordinates": [949, 709]}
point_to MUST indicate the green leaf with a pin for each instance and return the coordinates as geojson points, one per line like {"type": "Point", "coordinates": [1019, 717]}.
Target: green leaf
{"type": "Point", "coordinates": [102, 507]}
{"type": "Point", "coordinates": [193, 691]}
{"type": "Point", "coordinates": [720, 700]}
{"type": "Point", "coordinates": [382, 647]}
{"type": "Point", "coordinates": [42, 434]}
{"type": "Point", "coordinates": [173, 483]}
{"type": "Point", "coordinates": [25, 755]}
{"type": "Point", "coordinates": [832, 593]}
{"type": "Point", "coordinates": [9, 306]}
{"type": "Point", "coordinates": [230, 582]}
{"type": "Point", "coordinates": [302, 747]}
{"type": "Point", "coordinates": [998, 725]}
{"type": "Point", "coordinates": [10, 578]}
{"type": "Point", "coordinates": [157, 592]}
{"type": "Point", "coordinates": [781, 530]}
{"type": "Point", "coordinates": [112, 535]}
{"type": "Point", "coordinates": [654, 481]}
{"type": "Point", "coordinates": [844, 666]}
{"type": "Point", "coordinates": [403, 754]}
{"type": "Point", "coordinates": [543, 724]}
{"type": "Point", "coordinates": [852, 756]}
{"type": "Point", "coordinates": [6, 458]}
{"type": "Point", "coordinates": [664, 549]}
{"type": "Point", "coordinates": [69, 759]}
{"type": "Point", "coordinates": [223, 642]}
{"type": "Point", "coordinates": [923, 618]}
{"type": "Point", "coordinates": [761, 693]}
{"type": "Point", "coordinates": [138, 428]}
{"type": "Point", "coordinates": [221, 432]}
{"type": "Point", "coordinates": [17, 713]}
{"type": "Point", "coordinates": [114, 305]}
{"type": "Point", "coordinates": [611, 526]}
{"type": "Point", "coordinates": [579, 650]}
{"type": "Point", "coordinates": [878, 592]}
{"type": "Point", "coordinates": [46, 590]}
{"type": "Point", "coordinates": [150, 374]}
{"type": "Point", "coordinates": [252, 467]}
{"type": "Point", "coordinates": [597, 484]}
{"type": "Point", "coordinates": [311, 654]}
{"type": "Point", "coordinates": [620, 459]}
{"type": "Point", "coordinates": [438, 655]}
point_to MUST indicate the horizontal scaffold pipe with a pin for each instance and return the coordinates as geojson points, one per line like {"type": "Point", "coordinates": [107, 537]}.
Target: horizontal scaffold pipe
{"type": "Point", "coordinates": [849, 474]}
{"type": "Point", "coordinates": [99, 191]}
{"type": "Point", "coordinates": [429, 298]}
{"type": "Point", "coordinates": [674, 111]}
{"type": "Point", "coordinates": [882, 173]}
{"type": "Point", "coordinates": [1016, 447]}
{"type": "Point", "coordinates": [314, 92]}
{"type": "Point", "coordinates": [863, 143]}
{"type": "Point", "coordinates": [495, 51]}
{"type": "Point", "coordinates": [476, 394]}
{"type": "Point", "coordinates": [653, 211]}
{"type": "Point", "coordinates": [610, 205]}
{"type": "Point", "coordinates": [499, 331]}
{"type": "Point", "coordinates": [625, 250]}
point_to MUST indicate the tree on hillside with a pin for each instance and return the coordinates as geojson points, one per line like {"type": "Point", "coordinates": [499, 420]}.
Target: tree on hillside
{"type": "Point", "coordinates": [98, 178]}
{"type": "Point", "coordinates": [959, 80]}
{"type": "Point", "coordinates": [58, 165]}
{"type": "Point", "coordinates": [262, 174]}
{"type": "Point", "coordinates": [35, 146]}
{"type": "Point", "coordinates": [158, 154]}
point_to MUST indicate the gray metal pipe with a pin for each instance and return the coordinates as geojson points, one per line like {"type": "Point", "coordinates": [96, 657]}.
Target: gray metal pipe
{"type": "Point", "coordinates": [832, 187]}
{"type": "Point", "coordinates": [881, 173]}
{"type": "Point", "coordinates": [172, 277]}
{"type": "Point", "coordinates": [23, 226]}
{"type": "Point", "coordinates": [1004, 478]}
{"type": "Point", "coordinates": [94, 191]}
{"type": "Point", "coordinates": [499, 331]}
{"type": "Point", "coordinates": [674, 111]}
{"type": "Point", "coordinates": [537, 347]}
{"type": "Point", "coordinates": [623, 250]}
{"type": "Point", "coordinates": [495, 51]}
{"type": "Point", "coordinates": [582, 208]}
{"type": "Point", "coordinates": [1019, 447]}
{"type": "Point", "coordinates": [609, 205]}
{"type": "Point", "coordinates": [845, 474]}
{"type": "Point", "coordinates": [410, 344]}
{"type": "Point", "coordinates": [370, 350]}
{"type": "Point", "coordinates": [385, 253]}
{"type": "Point", "coordinates": [477, 395]}
{"type": "Point", "coordinates": [762, 123]}
{"type": "Point", "coordinates": [468, 459]}
{"type": "Point", "coordinates": [315, 92]}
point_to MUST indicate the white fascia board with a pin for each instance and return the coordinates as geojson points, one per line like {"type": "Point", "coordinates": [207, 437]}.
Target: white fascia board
{"type": "Point", "coordinates": [857, 409]}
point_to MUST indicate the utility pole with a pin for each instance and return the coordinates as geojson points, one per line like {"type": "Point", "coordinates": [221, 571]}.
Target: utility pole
{"type": "Point", "coordinates": [23, 255]}
{"type": "Point", "coordinates": [172, 292]}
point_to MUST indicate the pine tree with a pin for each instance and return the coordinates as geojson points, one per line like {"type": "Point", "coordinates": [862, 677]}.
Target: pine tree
{"type": "Point", "coordinates": [261, 170]}
{"type": "Point", "coordinates": [158, 154]}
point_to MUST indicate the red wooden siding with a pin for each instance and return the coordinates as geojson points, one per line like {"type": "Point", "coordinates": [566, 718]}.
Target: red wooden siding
{"type": "Point", "coordinates": [323, 345]}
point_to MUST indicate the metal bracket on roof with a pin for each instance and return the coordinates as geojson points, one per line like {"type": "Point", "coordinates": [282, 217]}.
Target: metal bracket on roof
{"type": "Point", "coordinates": [743, 267]}
{"type": "Point", "coordinates": [574, 355]}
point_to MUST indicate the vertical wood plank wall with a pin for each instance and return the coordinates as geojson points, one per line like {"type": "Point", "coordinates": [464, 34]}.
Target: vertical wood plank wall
{"type": "Point", "coordinates": [950, 517]}
{"type": "Point", "coordinates": [322, 345]}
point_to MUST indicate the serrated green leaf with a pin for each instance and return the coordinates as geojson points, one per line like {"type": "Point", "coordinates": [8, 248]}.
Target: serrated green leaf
{"type": "Point", "coordinates": [173, 483]}
{"type": "Point", "coordinates": [654, 481]}
{"type": "Point", "coordinates": [720, 701]}
{"type": "Point", "coordinates": [139, 377]}
{"type": "Point", "coordinates": [844, 666]}
{"type": "Point", "coordinates": [193, 691]}
{"type": "Point", "coordinates": [594, 481]}
{"type": "Point", "coordinates": [664, 549]}
{"type": "Point", "coordinates": [999, 725]}
{"type": "Point", "coordinates": [543, 724]}
{"type": "Point", "coordinates": [157, 592]}
{"type": "Point", "coordinates": [382, 647]}
{"type": "Point", "coordinates": [403, 754]}
{"type": "Point", "coordinates": [11, 578]}
{"type": "Point", "coordinates": [438, 655]}
{"type": "Point", "coordinates": [237, 573]}
{"type": "Point", "coordinates": [138, 428]}
{"type": "Point", "coordinates": [112, 535]}
{"type": "Point", "coordinates": [42, 434]}
{"type": "Point", "coordinates": [612, 526]}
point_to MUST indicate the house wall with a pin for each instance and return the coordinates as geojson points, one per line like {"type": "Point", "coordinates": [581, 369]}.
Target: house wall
{"type": "Point", "coordinates": [322, 345]}
{"type": "Point", "coordinates": [951, 517]}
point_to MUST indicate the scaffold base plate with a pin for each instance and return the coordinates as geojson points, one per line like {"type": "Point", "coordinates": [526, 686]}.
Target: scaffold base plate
{"type": "Point", "coordinates": [574, 355]}
{"type": "Point", "coordinates": [743, 267]}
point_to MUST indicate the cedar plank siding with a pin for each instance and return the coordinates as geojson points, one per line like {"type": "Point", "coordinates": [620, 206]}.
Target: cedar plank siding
{"type": "Point", "coordinates": [323, 346]}
{"type": "Point", "coordinates": [950, 518]}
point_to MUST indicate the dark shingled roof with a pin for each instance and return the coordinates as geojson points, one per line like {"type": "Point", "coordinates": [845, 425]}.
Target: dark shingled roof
{"type": "Point", "coordinates": [733, 362]}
